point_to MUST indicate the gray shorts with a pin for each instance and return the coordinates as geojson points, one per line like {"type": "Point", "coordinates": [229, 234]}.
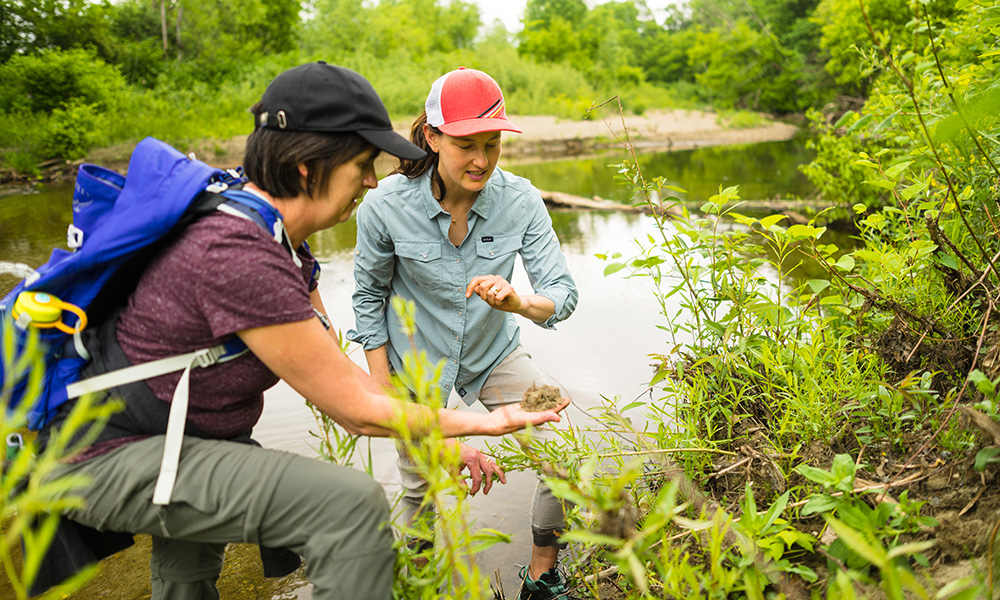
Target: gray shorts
{"type": "Point", "coordinates": [505, 385]}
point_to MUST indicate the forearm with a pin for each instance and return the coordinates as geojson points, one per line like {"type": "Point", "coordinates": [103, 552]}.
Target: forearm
{"type": "Point", "coordinates": [537, 308]}
{"type": "Point", "coordinates": [378, 365]}
{"type": "Point", "coordinates": [307, 358]}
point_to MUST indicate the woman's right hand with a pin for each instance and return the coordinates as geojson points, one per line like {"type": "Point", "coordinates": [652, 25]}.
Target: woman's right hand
{"type": "Point", "coordinates": [512, 418]}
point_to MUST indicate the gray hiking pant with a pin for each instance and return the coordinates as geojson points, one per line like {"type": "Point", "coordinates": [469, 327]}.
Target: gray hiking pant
{"type": "Point", "coordinates": [505, 385]}
{"type": "Point", "coordinates": [335, 517]}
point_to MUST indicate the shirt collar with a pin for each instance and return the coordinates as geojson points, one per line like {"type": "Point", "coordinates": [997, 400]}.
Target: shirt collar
{"type": "Point", "coordinates": [482, 206]}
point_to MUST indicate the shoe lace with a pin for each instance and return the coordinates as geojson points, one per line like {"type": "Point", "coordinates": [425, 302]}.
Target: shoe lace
{"type": "Point", "coordinates": [552, 582]}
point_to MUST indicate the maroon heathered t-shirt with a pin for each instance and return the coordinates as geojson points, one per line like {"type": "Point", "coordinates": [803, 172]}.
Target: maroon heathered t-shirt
{"type": "Point", "coordinates": [224, 275]}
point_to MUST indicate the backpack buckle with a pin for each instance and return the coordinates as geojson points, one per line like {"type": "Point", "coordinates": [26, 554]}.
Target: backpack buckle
{"type": "Point", "coordinates": [209, 356]}
{"type": "Point", "coordinates": [74, 237]}
{"type": "Point", "coordinates": [217, 187]}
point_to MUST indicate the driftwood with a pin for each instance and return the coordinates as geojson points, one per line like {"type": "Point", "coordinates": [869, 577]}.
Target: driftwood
{"type": "Point", "coordinates": [564, 200]}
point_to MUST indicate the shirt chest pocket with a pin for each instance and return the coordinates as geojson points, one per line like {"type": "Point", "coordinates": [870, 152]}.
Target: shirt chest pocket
{"type": "Point", "coordinates": [421, 262]}
{"type": "Point", "coordinates": [496, 247]}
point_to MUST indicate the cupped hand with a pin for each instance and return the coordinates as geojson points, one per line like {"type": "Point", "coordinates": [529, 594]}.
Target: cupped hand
{"type": "Point", "coordinates": [495, 291]}
{"type": "Point", "coordinates": [482, 469]}
{"type": "Point", "coordinates": [512, 417]}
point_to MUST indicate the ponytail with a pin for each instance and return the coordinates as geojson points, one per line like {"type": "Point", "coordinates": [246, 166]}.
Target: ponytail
{"type": "Point", "coordinates": [416, 168]}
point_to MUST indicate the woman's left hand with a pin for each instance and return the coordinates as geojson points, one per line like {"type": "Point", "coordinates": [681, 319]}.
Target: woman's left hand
{"type": "Point", "coordinates": [495, 291]}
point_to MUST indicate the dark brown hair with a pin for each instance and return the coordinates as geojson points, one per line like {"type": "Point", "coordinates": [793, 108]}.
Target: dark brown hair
{"type": "Point", "coordinates": [415, 168]}
{"type": "Point", "coordinates": [272, 158]}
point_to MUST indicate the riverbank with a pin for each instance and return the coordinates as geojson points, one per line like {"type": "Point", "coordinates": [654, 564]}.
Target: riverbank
{"type": "Point", "coordinates": [543, 137]}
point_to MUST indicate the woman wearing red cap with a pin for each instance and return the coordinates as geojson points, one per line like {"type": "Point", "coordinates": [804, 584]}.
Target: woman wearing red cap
{"type": "Point", "coordinates": [444, 231]}
{"type": "Point", "coordinates": [318, 129]}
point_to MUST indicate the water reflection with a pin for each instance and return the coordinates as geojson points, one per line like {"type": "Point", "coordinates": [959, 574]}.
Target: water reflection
{"type": "Point", "coordinates": [765, 170]}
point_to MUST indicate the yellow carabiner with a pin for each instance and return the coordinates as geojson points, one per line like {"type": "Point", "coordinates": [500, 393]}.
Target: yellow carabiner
{"type": "Point", "coordinates": [45, 311]}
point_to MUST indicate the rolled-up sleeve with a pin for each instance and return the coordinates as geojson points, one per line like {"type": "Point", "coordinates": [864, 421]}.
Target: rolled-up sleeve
{"type": "Point", "coordinates": [546, 264]}
{"type": "Point", "coordinates": [374, 261]}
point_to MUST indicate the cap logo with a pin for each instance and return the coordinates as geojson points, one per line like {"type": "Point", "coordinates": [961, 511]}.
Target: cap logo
{"type": "Point", "coordinates": [282, 120]}
{"type": "Point", "coordinates": [494, 112]}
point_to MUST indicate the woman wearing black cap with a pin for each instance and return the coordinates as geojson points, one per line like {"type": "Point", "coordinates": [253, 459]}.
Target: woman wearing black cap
{"type": "Point", "coordinates": [318, 131]}
{"type": "Point", "coordinates": [445, 228]}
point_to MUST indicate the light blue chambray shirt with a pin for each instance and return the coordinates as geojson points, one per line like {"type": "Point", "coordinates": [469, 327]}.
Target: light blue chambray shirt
{"type": "Point", "coordinates": [403, 249]}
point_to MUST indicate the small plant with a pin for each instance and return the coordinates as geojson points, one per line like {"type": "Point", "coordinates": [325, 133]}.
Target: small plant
{"type": "Point", "coordinates": [31, 502]}
{"type": "Point", "coordinates": [435, 556]}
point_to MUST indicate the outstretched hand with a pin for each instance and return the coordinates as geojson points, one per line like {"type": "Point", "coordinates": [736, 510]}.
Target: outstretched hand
{"type": "Point", "coordinates": [512, 417]}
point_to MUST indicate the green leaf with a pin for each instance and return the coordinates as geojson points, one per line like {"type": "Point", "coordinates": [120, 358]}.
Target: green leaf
{"type": "Point", "coordinates": [843, 119]}
{"type": "Point", "coordinates": [985, 457]}
{"type": "Point", "coordinates": [638, 572]}
{"type": "Point", "coordinates": [817, 475]}
{"type": "Point", "coordinates": [911, 191]}
{"type": "Point", "coordinates": [742, 219]}
{"type": "Point", "coordinates": [855, 541]}
{"type": "Point", "coordinates": [859, 208]}
{"type": "Point", "coordinates": [866, 163]}
{"type": "Point", "coordinates": [766, 222]}
{"type": "Point", "coordinates": [894, 171]}
{"type": "Point", "coordinates": [613, 268]}
{"type": "Point", "coordinates": [983, 383]}
{"type": "Point", "coordinates": [843, 467]}
{"type": "Point", "coordinates": [818, 285]}
{"type": "Point", "coordinates": [803, 231]}
{"type": "Point", "coordinates": [827, 301]}
{"type": "Point", "coordinates": [882, 183]}
{"type": "Point", "coordinates": [859, 123]}
{"type": "Point", "coordinates": [589, 537]}
{"type": "Point", "coordinates": [818, 504]}
{"type": "Point", "coordinates": [775, 511]}
{"type": "Point", "coordinates": [946, 260]}
{"type": "Point", "coordinates": [911, 548]}
{"type": "Point", "coordinates": [845, 263]}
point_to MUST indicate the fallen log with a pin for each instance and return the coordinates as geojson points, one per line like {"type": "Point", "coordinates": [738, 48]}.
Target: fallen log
{"type": "Point", "coordinates": [564, 200]}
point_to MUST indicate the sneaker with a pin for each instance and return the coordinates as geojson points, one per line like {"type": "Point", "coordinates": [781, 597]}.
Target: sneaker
{"type": "Point", "coordinates": [551, 585]}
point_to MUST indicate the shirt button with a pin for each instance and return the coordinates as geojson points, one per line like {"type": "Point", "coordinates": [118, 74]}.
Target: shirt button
{"type": "Point", "coordinates": [456, 338]}
{"type": "Point", "coordinates": [423, 256]}
{"type": "Point", "coordinates": [460, 313]}
{"type": "Point", "coordinates": [458, 261]}
{"type": "Point", "coordinates": [491, 253]}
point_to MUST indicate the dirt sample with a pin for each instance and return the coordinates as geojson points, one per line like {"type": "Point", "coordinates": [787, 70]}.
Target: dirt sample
{"type": "Point", "coordinates": [537, 399]}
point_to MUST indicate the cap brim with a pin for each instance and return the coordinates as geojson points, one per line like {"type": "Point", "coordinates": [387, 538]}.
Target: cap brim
{"type": "Point", "coordinates": [389, 141]}
{"type": "Point", "coordinates": [473, 126]}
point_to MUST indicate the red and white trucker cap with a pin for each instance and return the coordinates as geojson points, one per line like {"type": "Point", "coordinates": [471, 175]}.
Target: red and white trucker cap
{"type": "Point", "coordinates": [467, 101]}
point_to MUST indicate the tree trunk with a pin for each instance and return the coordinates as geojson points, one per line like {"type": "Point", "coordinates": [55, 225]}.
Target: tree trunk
{"type": "Point", "coordinates": [163, 26]}
{"type": "Point", "coordinates": [177, 32]}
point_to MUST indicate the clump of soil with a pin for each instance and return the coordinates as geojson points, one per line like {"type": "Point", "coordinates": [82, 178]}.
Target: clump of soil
{"type": "Point", "coordinates": [537, 399]}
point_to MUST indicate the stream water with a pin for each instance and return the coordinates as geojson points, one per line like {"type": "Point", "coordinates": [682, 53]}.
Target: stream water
{"type": "Point", "coordinates": [602, 350]}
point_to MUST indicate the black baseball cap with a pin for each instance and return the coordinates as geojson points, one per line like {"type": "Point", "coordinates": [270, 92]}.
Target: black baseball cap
{"type": "Point", "coordinates": [329, 99]}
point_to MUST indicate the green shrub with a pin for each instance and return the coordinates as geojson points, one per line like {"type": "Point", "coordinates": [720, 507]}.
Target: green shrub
{"type": "Point", "coordinates": [74, 130]}
{"type": "Point", "coordinates": [22, 162]}
{"type": "Point", "coordinates": [46, 81]}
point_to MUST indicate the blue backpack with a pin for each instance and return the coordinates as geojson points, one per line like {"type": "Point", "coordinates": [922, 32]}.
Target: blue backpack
{"type": "Point", "coordinates": [117, 224]}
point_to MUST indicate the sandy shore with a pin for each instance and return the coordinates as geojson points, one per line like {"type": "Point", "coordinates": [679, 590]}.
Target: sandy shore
{"type": "Point", "coordinates": [658, 129]}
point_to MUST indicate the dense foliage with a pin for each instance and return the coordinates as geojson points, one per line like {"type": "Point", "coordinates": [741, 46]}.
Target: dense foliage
{"type": "Point", "coordinates": [829, 435]}
{"type": "Point", "coordinates": [114, 72]}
